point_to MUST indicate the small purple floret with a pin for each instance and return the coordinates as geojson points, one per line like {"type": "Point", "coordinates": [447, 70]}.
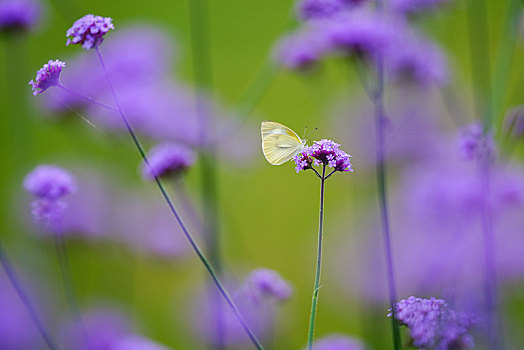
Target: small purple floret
{"type": "Point", "coordinates": [47, 76]}
{"type": "Point", "coordinates": [267, 284]}
{"type": "Point", "coordinates": [19, 15]}
{"type": "Point", "coordinates": [49, 184]}
{"type": "Point", "coordinates": [474, 143]}
{"type": "Point", "coordinates": [433, 324]}
{"type": "Point", "coordinates": [168, 159]}
{"type": "Point", "coordinates": [89, 31]}
{"type": "Point", "coordinates": [323, 152]}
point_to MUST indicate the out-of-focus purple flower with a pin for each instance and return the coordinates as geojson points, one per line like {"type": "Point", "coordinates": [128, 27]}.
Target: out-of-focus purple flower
{"type": "Point", "coordinates": [324, 152]}
{"type": "Point", "coordinates": [89, 31]}
{"type": "Point", "coordinates": [168, 159]}
{"type": "Point", "coordinates": [105, 327]}
{"type": "Point", "coordinates": [256, 304]}
{"type": "Point", "coordinates": [433, 324]}
{"type": "Point", "coordinates": [17, 329]}
{"type": "Point", "coordinates": [417, 59]}
{"type": "Point", "coordinates": [49, 184]}
{"type": "Point", "coordinates": [301, 49]}
{"type": "Point", "coordinates": [414, 6]}
{"type": "Point", "coordinates": [47, 76]}
{"type": "Point", "coordinates": [359, 32]}
{"type": "Point", "coordinates": [474, 143]}
{"type": "Point", "coordinates": [136, 342]}
{"type": "Point", "coordinates": [362, 33]}
{"type": "Point", "coordinates": [264, 284]}
{"type": "Point", "coordinates": [19, 15]}
{"type": "Point", "coordinates": [316, 9]}
{"type": "Point", "coordinates": [338, 342]}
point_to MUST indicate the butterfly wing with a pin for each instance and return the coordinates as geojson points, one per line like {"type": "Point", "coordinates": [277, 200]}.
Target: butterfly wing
{"type": "Point", "coordinates": [279, 143]}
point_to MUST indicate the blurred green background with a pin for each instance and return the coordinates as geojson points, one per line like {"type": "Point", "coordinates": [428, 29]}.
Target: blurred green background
{"type": "Point", "coordinates": [269, 215]}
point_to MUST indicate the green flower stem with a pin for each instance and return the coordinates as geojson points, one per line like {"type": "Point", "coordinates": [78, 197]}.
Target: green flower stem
{"type": "Point", "coordinates": [174, 211]}
{"type": "Point", "coordinates": [313, 314]}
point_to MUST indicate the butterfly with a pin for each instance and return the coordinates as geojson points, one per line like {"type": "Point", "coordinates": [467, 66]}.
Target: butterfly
{"type": "Point", "coordinates": [279, 143]}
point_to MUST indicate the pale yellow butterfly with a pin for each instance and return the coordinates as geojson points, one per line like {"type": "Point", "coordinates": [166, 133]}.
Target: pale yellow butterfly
{"type": "Point", "coordinates": [279, 143]}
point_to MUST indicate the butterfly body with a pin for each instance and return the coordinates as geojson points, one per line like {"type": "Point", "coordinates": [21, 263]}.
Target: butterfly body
{"type": "Point", "coordinates": [279, 143]}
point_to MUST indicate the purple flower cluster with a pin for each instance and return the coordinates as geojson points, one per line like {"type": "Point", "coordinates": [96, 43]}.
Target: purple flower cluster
{"type": "Point", "coordinates": [418, 60]}
{"type": "Point", "coordinates": [263, 284]}
{"type": "Point", "coordinates": [338, 342]}
{"type": "Point", "coordinates": [324, 152]}
{"type": "Point", "coordinates": [359, 32]}
{"type": "Point", "coordinates": [89, 31]}
{"type": "Point", "coordinates": [167, 159]}
{"type": "Point", "coordinates": [350, 29]}
{"type": "Point", "coordinates": [19, 15]}
{"type": "Point", "coordinates": [49, 184]}
{"type": "Point", "coordinates": [433, 324]}
{"type": "Point", "coordinates": [47, 76]}
{"type": "Point", "coordinates": [474, 143]}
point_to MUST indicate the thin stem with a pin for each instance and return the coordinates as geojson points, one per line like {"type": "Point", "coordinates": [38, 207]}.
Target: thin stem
{"type": "Point", "coordinates": [331, 173]}
{"type": "Point", "coordinates": [87, 98]}
{"type": "Point", "coordinates": [15, 281]}
{"type": "Point", "coordinates": [67, 279]}
{"type": "Point", "coordinates": [378, 103]}
{"type": "Point", "coordinates": [313, 315]}
{"type": "Point", "coordinates": [173, 210]}
{"type": "Point", "coordinates": [316, 173]}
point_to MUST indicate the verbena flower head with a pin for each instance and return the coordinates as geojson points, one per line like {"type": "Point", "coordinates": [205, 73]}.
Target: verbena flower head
{"type": "Point", "coordinates": [19, 15]}
{"type": "Point", "coordinates": [361, 32]}
{"type": "Point", "coordinates": [338, 342]}
{"type": "Point", "coordinates": [168, 159]}
{"type": "Point", "coordinates": [433, 324]}
{"type": "Point", "coordinates": [418, 60]}
{"type": "Point", "coordinates": [301, 49]}
{"type": "Point", "coordinates": [47, 76]}
{"type": "Point", "coordinates": [474, 143]}
{"type": "Point", "coordinates": [264, 284]}
{"type": "Point", "coordinates": [324, 152]}
{"type": "Point", "coordinates": [49, 184]}
{"type": "Point", "coordinates": [89, 31]}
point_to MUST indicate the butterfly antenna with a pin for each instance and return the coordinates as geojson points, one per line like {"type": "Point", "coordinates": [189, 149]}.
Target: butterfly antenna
{"type": "Point", "coordinates": [312, 131]}
{"type": "Point", "coordinates": [304, 135]}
